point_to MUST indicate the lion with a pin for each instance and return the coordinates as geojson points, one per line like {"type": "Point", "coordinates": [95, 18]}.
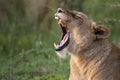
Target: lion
{"type": "Point", "coordinates": [93, 56]}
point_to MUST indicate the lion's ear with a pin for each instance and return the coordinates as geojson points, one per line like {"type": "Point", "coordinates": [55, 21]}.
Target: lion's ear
{"type": "Point", "coordinates": [100, 31]}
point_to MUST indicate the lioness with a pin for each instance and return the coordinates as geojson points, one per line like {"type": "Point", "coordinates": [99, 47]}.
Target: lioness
{"type": "Point", "coordinates": [93, 56]}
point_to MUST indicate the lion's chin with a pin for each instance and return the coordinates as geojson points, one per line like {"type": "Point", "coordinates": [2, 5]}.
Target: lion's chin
{"type": "Point", "coordinates": [62, 53]}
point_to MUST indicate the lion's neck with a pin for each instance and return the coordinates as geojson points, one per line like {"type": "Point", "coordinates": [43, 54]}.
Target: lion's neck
{"type": "Point", "coordinates": [99, 48]}
{"type": "Point", "coordinates": [91, 57]}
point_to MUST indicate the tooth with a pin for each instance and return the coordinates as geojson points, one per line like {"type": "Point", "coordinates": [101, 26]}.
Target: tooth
{"type": "Point", "coordinates": [56, 46]}
{"type": "Point", "coordinates": [56, 18]}
{"type": "Point", "coordinates": [59, 21]}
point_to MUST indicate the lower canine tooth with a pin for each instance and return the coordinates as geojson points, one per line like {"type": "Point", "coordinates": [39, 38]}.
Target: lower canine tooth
{"type": "Point", "coordinates": [56, 46]}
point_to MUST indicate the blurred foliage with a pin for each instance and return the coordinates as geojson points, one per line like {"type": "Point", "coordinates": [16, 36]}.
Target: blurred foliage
{"type": "Point", "coordinates": [28, 31]}
{"type": "Point", "coordinates": [106, 12]}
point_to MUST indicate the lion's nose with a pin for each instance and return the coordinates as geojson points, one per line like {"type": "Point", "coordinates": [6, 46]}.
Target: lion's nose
{"type": "Point", "coordinates": [60, 10]}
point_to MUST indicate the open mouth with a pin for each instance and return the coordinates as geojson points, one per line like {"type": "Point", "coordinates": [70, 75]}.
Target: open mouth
{"type": "Point", "coordinates": [65, 35]}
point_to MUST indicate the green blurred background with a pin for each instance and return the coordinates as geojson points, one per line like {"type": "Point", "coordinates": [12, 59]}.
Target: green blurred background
{"type": "Point", "coordinates": [28, 30]}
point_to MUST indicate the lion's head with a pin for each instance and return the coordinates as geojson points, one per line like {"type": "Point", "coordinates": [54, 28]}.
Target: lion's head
{"type": "Point", "coordinates": [78, 31]}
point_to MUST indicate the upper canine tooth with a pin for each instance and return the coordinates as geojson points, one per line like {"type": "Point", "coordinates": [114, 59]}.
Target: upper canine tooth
{"type": "Point", "coordinates": [56, 18]}
{"type": "Point", "coordinates": [59, 21]}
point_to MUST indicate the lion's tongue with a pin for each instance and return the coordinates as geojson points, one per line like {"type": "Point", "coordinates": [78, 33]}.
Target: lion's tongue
{"type": "Point", "coordinates": [63, 43]}
{"type": "Point", "coordinates": [64, 39]}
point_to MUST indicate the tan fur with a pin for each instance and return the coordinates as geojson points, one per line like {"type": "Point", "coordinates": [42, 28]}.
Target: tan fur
{"type": "Point", "coordinates": [93, 56]}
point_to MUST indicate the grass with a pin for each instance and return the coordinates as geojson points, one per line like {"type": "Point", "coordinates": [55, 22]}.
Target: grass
{"type": "Point", "coordinates": [31, 57]}
{"type": "Point", "coordinates": [35, 64]}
